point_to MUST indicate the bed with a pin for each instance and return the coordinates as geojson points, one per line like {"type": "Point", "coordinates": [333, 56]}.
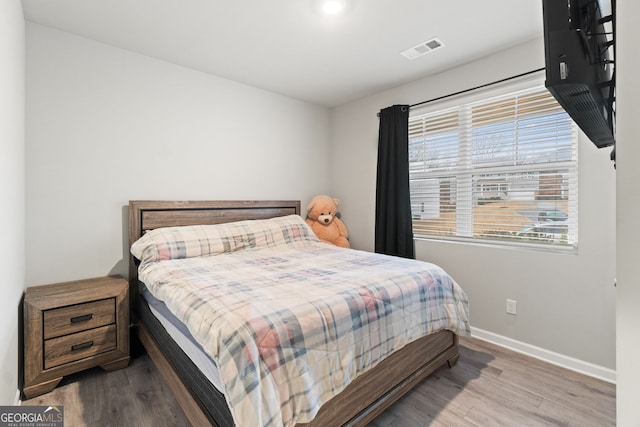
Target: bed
{"type": "Point", "coordinates": [356, 400]}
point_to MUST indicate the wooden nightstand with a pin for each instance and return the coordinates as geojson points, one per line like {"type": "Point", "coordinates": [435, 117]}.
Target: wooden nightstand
{"type": "Point", "coordinates": [72, 326]}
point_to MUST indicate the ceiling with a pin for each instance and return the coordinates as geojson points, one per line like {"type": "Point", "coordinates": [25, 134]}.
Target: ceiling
{"type": "Point", "coordinates": [288, 47]}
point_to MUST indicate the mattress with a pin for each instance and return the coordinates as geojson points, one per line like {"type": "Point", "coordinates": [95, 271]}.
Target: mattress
{"type": "Point", "coordinates": [183, 338]}
{"type": "Point", "coordinates": [211, 400]}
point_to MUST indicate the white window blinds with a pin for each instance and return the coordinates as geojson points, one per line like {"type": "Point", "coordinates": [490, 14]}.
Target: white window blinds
{"type": "Point", "coordinates": [500, 170]}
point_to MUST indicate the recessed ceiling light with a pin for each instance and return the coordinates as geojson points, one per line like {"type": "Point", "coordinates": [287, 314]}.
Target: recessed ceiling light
{"type": "Point", "coordinates": [331, 7]}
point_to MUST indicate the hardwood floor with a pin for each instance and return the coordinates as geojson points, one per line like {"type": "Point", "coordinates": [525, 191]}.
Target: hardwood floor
{"type": "Point", "coordinates": [493, 386]}
{"type": "Point", "coordinates": [131, 397]}
{"type": "Point", "coordinates": [489, 386]}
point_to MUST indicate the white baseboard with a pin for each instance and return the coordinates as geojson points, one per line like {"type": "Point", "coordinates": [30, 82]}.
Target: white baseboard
{"type": "Point", "coordinates": [16, 400]}
{"type": "Point", "coordinates": [586, 368]}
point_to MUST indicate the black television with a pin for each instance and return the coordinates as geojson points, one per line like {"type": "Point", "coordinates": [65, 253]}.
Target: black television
{"type": "Point", "coordinates": [579, 47]}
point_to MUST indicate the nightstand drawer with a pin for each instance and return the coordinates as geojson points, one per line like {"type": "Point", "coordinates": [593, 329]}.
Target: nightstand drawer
{"type": "Point", "coordinates": [79, 317]}
{"type": "Point", "coordinates": [58, 351]}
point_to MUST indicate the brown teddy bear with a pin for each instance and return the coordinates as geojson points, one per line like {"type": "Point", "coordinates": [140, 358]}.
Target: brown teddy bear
{"type": "Point", "coordinates": [321, 217]}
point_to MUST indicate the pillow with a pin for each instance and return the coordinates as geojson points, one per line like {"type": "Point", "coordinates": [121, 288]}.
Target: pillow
{"type": "Point", "coordinates": [200, 240]}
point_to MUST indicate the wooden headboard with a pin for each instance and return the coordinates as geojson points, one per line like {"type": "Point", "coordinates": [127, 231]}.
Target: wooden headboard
{"type": "Point", "coordinates": [149, 214]}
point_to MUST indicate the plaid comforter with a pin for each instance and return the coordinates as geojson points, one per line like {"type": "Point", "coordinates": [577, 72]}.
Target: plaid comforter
{"type": "Point", "coordinates": [291, 321]}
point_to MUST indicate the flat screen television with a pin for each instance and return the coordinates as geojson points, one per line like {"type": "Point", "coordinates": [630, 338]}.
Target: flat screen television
{"type": "Point", "coordinates": [579, 67]}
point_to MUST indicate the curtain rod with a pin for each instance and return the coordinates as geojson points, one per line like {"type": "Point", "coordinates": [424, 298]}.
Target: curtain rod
{"type": "Point", "coordinates": [475, 88]}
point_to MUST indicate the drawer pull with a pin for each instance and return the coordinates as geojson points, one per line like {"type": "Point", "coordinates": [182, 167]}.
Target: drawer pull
{"type": "Point", "coordinates": [82, 346]}
{"type": "Point", "coordinates": [82, 318]}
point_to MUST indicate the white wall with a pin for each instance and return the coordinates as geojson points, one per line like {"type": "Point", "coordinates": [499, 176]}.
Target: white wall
{"type": "Point", "coordinates": [12, 183]}
{"type": "Point", "coordinates": [628, 204]}
{"type": "Point", "coordinates": [105, 126]}
{"type": "Point", "coordinates": [566, 303]}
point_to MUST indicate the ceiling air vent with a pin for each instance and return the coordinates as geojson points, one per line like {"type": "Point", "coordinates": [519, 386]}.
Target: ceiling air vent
{"type": "Point", "coordinates": [423, 48]}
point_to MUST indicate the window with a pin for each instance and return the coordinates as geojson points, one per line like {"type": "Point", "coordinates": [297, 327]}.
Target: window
{"type": "Point", "coordinates": [501, 169]}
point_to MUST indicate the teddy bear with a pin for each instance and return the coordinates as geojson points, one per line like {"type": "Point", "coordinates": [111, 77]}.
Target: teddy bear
{"type": "Point", "coordinates": [321, 217]}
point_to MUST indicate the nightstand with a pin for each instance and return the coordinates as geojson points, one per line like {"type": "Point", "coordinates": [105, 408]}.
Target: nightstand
{"type": "Point", "coordinates": [73, 326]}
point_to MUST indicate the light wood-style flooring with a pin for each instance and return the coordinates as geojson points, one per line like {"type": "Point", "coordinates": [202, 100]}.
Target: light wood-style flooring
{"type": "Point", "coordinates": [489, 386]}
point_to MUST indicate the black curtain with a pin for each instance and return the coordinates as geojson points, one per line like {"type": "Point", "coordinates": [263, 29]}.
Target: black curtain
{"type": "Point", "coordinates": [394, 234]}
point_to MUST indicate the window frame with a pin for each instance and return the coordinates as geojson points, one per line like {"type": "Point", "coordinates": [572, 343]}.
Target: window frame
{"type": "Point", "coordinates": [464, 206]}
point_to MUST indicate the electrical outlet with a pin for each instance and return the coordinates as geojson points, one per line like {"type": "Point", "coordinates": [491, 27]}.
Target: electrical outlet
{"type": "Point", "coordinates": [512, 307]}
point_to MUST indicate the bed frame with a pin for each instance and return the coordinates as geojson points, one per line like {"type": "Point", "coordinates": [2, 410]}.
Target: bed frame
{"type": "Point", "coordinates": [361, 401]}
